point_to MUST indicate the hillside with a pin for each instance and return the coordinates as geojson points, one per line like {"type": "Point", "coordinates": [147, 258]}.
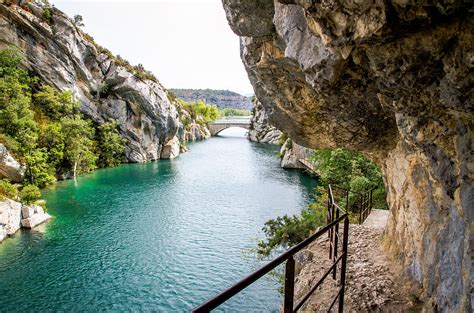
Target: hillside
{"type": "Point", "coordinates": [220, 98]}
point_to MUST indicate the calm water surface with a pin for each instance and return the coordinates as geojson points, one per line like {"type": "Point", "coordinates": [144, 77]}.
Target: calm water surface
{"type": "Point", "coordinates": [161, 236]}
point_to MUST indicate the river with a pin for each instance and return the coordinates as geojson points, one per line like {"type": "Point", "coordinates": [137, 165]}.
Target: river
{"type": "Point", "coordinates": [162, 236]}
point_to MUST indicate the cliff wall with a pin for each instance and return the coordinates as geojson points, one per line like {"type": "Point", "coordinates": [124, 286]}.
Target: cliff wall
{"type": "Point", "coordinates": [392, 79]}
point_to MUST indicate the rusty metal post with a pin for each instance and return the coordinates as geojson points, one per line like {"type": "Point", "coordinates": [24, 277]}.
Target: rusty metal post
{"type": "Point", "coordinates": [347, 201]}
{"type": "Point", "coordinates": [345, 251]}
{"type": "Point", "coordinates": [336, 233]}
{"type": "Point", "coordinates": [289, 285]}
{"type": "Point", "coordinates": [361, 208]}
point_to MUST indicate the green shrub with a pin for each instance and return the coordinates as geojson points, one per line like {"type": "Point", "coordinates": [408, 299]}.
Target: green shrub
{"type": "Point", "coordinates": [200, 111]}
{"type": "Point", "coordinates": [111, 145]}
{"type": "Point", "coordinates": [47, 15]}
{"type": "Point", "coordinates": [10, 143]}
{"type": "Point", "coordinates": [30, 194]}
{"type": "Point", "coordinates": [7, 190]}
{"type": "Point", "coordinates": [234, 112]}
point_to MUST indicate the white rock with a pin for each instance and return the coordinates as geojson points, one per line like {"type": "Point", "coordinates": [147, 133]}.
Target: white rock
{"type": "Point", "coordinates": [9, 167]}
{"type": "Point", "coordinates": [10, 217]}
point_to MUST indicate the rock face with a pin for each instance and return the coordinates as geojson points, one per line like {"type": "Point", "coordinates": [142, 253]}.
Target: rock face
{"type": "Point", "coordinates": [10, 168]}
{"type": "Point", "coordinates": [10, 218]}
{"type": "Point", "coordinates": [392, 79]}
{"type": "Point", "coordinates": [62, 56]}
{"type": "Point", "coordinates": [291, 153]}
{"type": "Point", "coordinates": [260, 128]}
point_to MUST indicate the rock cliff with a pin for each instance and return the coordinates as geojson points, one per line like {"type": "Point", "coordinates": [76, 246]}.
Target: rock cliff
{"type": "Point", "coordinates": [107, 87]}
{"type": "Point", "coordinates": [392, 79]}
{"type": "Point", "coordinates": [260, 128]}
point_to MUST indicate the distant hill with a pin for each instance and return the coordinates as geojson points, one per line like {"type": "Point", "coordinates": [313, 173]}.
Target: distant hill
{"type": "Point", "coordinates": [221, 98]}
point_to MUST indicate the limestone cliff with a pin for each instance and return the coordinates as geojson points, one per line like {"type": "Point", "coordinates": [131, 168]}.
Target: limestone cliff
{"type": "Point", "coordinates": [108, 88]}
{"type": "Point", "coordinates": [260, 128]}
{"type": "Point", "coordinates": [392, 79]}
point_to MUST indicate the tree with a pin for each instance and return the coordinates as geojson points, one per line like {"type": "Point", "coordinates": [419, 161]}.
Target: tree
{"type": "Point", "coordinates": [55, 104]}
{"type": "Point", "coordinates": [78, 21]}
{"type": "Point", "coordinates": [79, 144]}
{"type": "Point", "coordinates": [38, 170]}
{"type": "Point", "coordinates": [111, 145]}
{"type": "Point", "coordinates": [29, 194]}
{"type": "Point", "coordinates": [16, 116]}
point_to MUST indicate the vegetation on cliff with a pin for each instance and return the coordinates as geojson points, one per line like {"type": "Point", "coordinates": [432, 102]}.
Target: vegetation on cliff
{"type": "Point", "coordinates": [339, 167]}
{"type": "Point", "coordinates": [44, 128]}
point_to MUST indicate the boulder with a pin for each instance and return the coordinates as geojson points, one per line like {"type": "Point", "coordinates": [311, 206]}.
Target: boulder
{"type": "Point", "coordinates": [10, 217]}
{"type": "Point", "coordinates": [171, 149]}
{"type": "Point", "coordinates": [10, 168]}
{"type": "Point", "coordinates": [33, 215]}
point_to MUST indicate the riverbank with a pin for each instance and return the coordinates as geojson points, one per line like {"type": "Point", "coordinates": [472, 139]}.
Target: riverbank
{"type": "Point", "coordinates": [161, 236]}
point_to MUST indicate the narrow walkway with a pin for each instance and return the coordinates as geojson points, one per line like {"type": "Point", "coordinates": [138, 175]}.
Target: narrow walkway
{"type": "Point", "coordinates": [373, 283]}
{"type": "Point", "coordinates": [377, 219]}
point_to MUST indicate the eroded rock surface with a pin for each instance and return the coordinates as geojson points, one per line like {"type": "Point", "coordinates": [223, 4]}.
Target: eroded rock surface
{"type": "Point", "coordinates": [10, 217]}
{"type": "Point", "coordinates": [260, 128]}
{"type": "Point", "coordinates": [62, 56]}
{"type": "Point", "coordinates": [33, 215]}
{"type": "Point", "coordinates": [10, 168]}
{"type": "Point", "coordinates": [392, 79]}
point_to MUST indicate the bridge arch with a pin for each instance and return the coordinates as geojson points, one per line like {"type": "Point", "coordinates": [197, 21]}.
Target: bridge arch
{"type": "Point", "coordinates": [216, 127]}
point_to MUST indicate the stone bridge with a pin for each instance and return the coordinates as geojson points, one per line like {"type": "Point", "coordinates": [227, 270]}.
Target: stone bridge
{"type": "Point", "coordinates": [219, 125]}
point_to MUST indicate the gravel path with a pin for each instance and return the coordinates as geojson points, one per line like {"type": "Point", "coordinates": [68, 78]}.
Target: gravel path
{"type": "Point", "coordinates": [372, 284]}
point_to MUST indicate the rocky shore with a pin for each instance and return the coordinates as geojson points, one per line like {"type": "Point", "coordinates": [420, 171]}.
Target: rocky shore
{"type": "Point", "coordinates": [14, 215]}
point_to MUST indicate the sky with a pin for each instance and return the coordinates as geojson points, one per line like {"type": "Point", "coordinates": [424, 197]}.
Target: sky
{"type": "Point", "coordinates": [185, 43]}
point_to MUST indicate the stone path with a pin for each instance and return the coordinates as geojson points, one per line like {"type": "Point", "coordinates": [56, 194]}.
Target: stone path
{"type": "Point", "coordinates": [377, 219]}
{"type": "Point", "coordinates": [372, 285]}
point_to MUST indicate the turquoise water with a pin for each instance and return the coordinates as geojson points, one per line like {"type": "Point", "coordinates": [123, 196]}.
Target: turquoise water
{"type": "Point", "coordinates": [161, 236]}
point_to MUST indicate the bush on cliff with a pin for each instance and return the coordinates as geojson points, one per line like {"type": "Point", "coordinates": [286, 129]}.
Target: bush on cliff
{"type": "Point", "coordinates": [30, 194]}
{"type": "Point", "coordinates": [46, 129]}
{"type": "Point", "coordinates": [339, 167]}
{"type": "Point", "coordinates": [7, 190]}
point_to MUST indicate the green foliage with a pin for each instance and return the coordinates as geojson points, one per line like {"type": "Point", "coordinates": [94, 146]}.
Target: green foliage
{"type": "Point", "coordinates": [47, 15]}
{"type": "Point", "coordinates": [200, 111]}
{"type": "Point", "coordinates": [38, 170]}
{"type": "Point", "coordinates": [350, 170]}
{"type": "Point", "coordinates": [55, 105]}
{"type": "Point", "coordinates": [10, 143]}
{"type": "Point", "coordinates": [79, 144]}
{"type": "Point", "coordinates": [282, 138]}
{"type": "Point", "coordinates": [45, 129]}
{"type": "Point", "coordinates": [339, 167]}
{"type": "Point", "coordinates": [286, 231]}
{"type": "Point", "coordinates": [30, 194]}
{"type": "Point", "coordinates": [111, 145]}
{"type": "Point", "coordinates": [16, 117]}
{"type": "Point", "coordinates": [234, 112]}
{"type": "Point", "coordinates": [7, 190]}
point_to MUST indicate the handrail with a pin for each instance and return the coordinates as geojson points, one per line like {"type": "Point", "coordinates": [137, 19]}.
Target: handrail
{"type": "Point", "coordinates": [290, 265]}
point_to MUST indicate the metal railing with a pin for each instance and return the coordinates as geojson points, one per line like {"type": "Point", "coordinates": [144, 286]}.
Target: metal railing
{"type": "Point", "coordinates": [360, 204]}
{"type": "Point", "coordinates": [335, 215]}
